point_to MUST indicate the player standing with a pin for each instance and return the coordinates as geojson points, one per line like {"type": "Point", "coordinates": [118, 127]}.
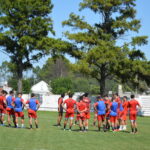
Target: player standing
{"type": "Point", "coordinates": [60, 109]}
{"type": "Point", "coordinates": [34, 105]}
{"type": "Point", "coordinates": [81, 108]}
{"type": "Point", "coordinates": [95, 111]}
{"type": "Point", "coordinates": [107, 102]}
{"type": "Point", "coordinates": [113, 114]}
{"type": "Point", "coordinates": [87, 101]}
{"type": "Point", "coordinates": [125, 104]}
{"type": "Point", "coordinates": [10, 108]}
{"type": "Point", "coordinates": [2, 106]}
{"type": "Point", "coordinates": [70, 107]}
{"type": "Point", "coordinates": [133, 103]}
{"type": "Point", "coordinates": [19, 105]}
{"type": "Point", "coordinates": [100, 108]}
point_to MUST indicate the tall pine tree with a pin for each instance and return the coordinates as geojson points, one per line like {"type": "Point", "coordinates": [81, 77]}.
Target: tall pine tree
{"type": "Point", "coordinates": [101, 56]}
{"type": "Point", "coordinates": [24, 29]}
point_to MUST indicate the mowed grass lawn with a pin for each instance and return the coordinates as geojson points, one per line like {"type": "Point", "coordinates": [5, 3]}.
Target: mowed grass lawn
{"type": "Point", "coordinates": [50, 137]}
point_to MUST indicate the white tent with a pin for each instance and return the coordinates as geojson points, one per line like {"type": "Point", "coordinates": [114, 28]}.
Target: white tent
{"type": "Point", "coordinates": [41, 88]}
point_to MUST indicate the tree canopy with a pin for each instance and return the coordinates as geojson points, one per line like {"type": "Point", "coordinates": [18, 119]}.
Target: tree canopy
{"type": "Point", "coordinates": [102, 57]}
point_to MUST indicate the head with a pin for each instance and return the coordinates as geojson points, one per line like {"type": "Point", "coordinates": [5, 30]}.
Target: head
{"type": "Point", "coordinates": [19, 94]}
{"type": "Point", "coordinates": [125, 98]}
{"type": "Point", "coordinates": [80, 98]}
{"type": "Point", "coordinates": [4, 93]}
{"type": "Point", "coordinates": [132, 96]}
{"type": "Point", "coordinates": [86, 94]}
{"type": "Point", "coordinates": [32, 95]}
{"type": "Point", "coordinates": [98, 98]}
{"type": "Point", "coordinates": [115, 95]}
{"type": "Point", "coordinates": [11, 93]}
{"type": "Point", "coordinates": [63, 95]}
{"type": "Point", "coordinates": [105, 97]}
{"type": "Point", "coordinates": [70, 95]}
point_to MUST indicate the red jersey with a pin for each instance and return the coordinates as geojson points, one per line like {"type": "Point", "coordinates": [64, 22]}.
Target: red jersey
{"type": "Point", "coordinates": [125, 106]}
{"type": "Point", "coordinates": [133, 104]}
{"type": "Point", "coordinates": [70, 103]}
{"type": "Point", "coordinates": [87, 101]}
{"type": "Point", "coordinates": [2, 102]}
{"type": "Point", "coordinates": [81, 106]}
{"type": "Point", "coordinates": [118, 100]}
{"type": "Point", "coordinates": [60, 101]}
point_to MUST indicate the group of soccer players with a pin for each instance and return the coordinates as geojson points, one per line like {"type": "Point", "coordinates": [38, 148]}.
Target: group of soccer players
{"type": "Point", "coordinates": [109, 113]}
{"type": "Point", "coordinates": [14, 107]}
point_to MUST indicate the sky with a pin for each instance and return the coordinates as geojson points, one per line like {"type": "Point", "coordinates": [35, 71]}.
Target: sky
{"type": "Point", "coordinates": [62, 9]}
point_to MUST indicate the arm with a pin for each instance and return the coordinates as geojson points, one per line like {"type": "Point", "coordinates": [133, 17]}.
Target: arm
{"type": "Point", "coordinates": [95, 107]}
{"type": "Point", "coordinates": [23, 104]}
{"type": "Point", "coordinates": [63, 106]}
{"type": "Point", "coordinates": [38, 106]}
{"type": "Point", "coordinates": [59, 104]}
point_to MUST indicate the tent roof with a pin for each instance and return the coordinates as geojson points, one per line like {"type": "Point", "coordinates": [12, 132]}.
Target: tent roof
{"type": "Point", "coordinates": [40, 87]}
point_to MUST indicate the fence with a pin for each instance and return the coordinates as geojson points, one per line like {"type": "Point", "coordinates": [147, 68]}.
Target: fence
{"type": "Point", "coordinates": [50, 103]}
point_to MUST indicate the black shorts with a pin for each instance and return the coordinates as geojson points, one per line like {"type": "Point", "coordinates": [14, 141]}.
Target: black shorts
{"type": "Point", "coordinates": [61, 110]}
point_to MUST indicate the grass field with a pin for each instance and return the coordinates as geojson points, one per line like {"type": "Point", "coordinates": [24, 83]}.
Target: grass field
{"type": "Point", "coordinates": [50, 137]}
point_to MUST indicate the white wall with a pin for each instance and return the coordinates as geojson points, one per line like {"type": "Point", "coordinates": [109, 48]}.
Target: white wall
{"type": "Point", "coordinates": [145, 103]}
{"type": "Point", "coordinates": [50, 103]}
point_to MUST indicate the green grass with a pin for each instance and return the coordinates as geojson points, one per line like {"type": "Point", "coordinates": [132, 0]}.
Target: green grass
{"type": "Point", "coordinates": [49, 137]}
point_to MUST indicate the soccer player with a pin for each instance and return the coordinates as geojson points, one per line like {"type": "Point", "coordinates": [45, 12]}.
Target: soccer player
{"type": "Point", "coordinates": [100, 108]}
{"type": "Point", "coordinates": [119, 109]}
{"type": "Point", "coordinates": [113, 114]}
{"type": "Point", "coordinates": [70, 107]}
{"type": "Point", "coordinates": [19, 105]}
{"type": "Point", "coordinates": [60, 109]}
{"type": "Point", "coordinates": [10, 108]}
{"type": "Point", "coordinates": [107, 102]}
{"type": "Point", "coordinates": [123, 125]}
{"type": "Point", "coordinates": [81, 108]}
{"type": "Point", "coordinates": [2, 106]}
{"type": "Point", "coordinates": [95, 112]}
{"type": "Point", "coordinates": [133, 103]}
{"type": "Point", "coordinates": [34, 105]}
{"type": "Point", "coordinates": [87, 101]}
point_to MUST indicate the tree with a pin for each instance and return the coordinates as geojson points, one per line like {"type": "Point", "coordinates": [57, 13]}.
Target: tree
{"type": "Point", "coordinates": [25, 26]}
{"type": "Point", "coordinates": [4, 72]}
{"type": "Point", "coordinates": [98, 42]}
{"type": "Point", "coordinates": [53, 68]}
{"type": "Point", "coordinates": [61, 85]}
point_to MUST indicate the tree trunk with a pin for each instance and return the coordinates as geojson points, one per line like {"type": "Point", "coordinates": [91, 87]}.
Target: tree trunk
{"type": "Point", "coordinates": [20, 75]}
{"type": "Point", "coordinates": [102, 81]}
{"type": "Point", "coordinates": [102, 86]}
{"type": "Point", "coordinates": [20, 85]}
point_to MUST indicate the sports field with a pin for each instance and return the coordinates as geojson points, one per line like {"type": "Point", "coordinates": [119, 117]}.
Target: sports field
{"type": "Point", "coordinates": [50, 137]}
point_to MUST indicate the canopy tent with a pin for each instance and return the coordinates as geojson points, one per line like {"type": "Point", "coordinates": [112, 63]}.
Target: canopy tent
{"type": "Point", "coordinates": [41, 88]}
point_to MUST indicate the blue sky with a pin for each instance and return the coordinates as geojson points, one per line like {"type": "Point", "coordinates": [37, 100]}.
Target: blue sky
{"type": "Point", "coordinates": [62, 9]}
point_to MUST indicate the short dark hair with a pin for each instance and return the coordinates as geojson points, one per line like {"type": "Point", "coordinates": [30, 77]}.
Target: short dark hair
{"type": "Point", "coordinates": [19, 93]}
{"type": "Point", "coordinates": [80, 98]}
{"type": "Point", "coordinates": [63, 95]}
{"type": "Point", "coordinates": [106, 95]}
{"type": "Point", "coordinates": [4, 92]}
{"type": "Point", "coordinates": [70, 95]}
{"type": "Point", "coordinates": [32, 94]}
{"type": "Point", "coordinates": [86, 94]}
{"type": "Point", "coordinates": [98, 97]}
{"type": "Point", "coordinates": [11, 92]}
{"type": "Point", "coordinates": [132, 96]}
{"type": "Point", "coordinates": [116, 94]}
{"type": "Point", "coordinates": [125, 97]}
